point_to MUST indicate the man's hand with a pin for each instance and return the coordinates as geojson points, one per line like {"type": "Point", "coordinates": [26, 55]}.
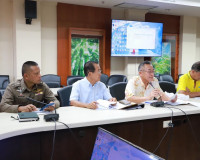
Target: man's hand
{"type": "Point", "coordinates": [92, 105]}
{"type": "Point", "coordinates": [174, 99]}
{"type": "Point", "coordinates": [50, 108]}
{"type": "Point", "coordinates": [154, 93]}
{"type": "Point", "coordinates": [187, 92]}
{"type": "Point", "coordinates": [27, 108]}
{"type": "Point", "coordinates": [113, 100]}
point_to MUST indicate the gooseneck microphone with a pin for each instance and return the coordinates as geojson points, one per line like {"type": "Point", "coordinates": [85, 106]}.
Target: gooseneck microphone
{"type": "Point", "coordinates": [158, 103]}
{"type": "Point", "coordinates": [48, 117]}
{"type": "Point", "coordinates": [31, 99]}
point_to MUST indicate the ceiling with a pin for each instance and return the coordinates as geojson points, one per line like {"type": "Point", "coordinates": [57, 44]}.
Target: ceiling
{"type": "Point", "coordinates": [173, 7]}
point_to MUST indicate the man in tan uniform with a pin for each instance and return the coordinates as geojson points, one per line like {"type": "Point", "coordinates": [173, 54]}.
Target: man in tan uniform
{"type": "Point", "coordinates": [15, 96]}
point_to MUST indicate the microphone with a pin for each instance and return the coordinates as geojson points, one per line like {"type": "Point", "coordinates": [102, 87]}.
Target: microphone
{"type": "Point", "coordinates": [36, 101]}
{"type": "Point", "coordinates": [46, 105]}
{"type": "Point", "coordinates": [48, 117]}
{"type": "Point", "coordinates": [158, 103]}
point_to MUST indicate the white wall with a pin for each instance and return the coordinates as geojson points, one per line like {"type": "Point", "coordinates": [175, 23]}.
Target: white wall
{"type": "Point", "coordinates": [198, 40]}
{"type": "Point", "coordinates": [6, 38]}
{"type": "Point", "coordinates": [20, 42]}
{"type": "Point", "coordinates": [49, 37]}
{"type": "Point", "coordinates": [189, 43]}
{"type": "Point", "coordinates": [120, 68]}
{"type": "Point", "coordinates": [27, 37]}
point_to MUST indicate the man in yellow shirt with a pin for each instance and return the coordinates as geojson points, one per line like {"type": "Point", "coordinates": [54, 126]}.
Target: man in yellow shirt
{"type": "Point", "coordinates": [189, 83]}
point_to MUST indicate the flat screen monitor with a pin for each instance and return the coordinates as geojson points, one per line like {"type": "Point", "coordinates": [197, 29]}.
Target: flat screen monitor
{"type": "Point", "coordinates": [136, 39]}
{"type": "Point", "coordinates": [108, 146]}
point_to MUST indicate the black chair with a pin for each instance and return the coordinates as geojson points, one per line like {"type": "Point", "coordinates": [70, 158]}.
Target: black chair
{"type": "Point", "coordinates": [72, 79]}
{"type": "Point", "coordinates": [180, 76]}
{"type": "Point", "coordinates": [2, 91]}
{"type": "Point", "coordinates": [4, 81]}
{"type": "Point", "coordinates": [116, 78]}
{"type": "Point", "coordinates": [52, 80]}
{"type": "Point", "coordinates": [157, 76]}
{"type": "Point", "coordinates": [166, 77]}
{"type": "Point", "coordinates": [0, 97]}
{"type": "Point", "coordinates": [104, 78]}
{"type": "Point", "coordinates": [53, 84]}
{"type": "Point", "coordinates": [64, 95]}
{"type": "Point", "coordinates": [167, 86]}
{"type": "Point", "coordinates": [117, 90]}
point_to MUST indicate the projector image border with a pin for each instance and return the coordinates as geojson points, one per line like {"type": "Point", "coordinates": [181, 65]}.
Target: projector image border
{"type": "Point", "coordinates": [51, 117]}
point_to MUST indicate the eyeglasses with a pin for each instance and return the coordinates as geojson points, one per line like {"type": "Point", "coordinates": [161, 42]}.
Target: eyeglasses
{"type": "Point", "coordinates": [99, 71]}
{"type": "Point", "coordinates": [149, 72]}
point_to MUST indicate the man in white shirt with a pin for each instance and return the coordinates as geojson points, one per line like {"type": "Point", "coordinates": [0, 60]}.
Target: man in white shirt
{"type": "Point", "coordinates": [144, 87]}
{"type": "Point", "coordinates": [87, 91]}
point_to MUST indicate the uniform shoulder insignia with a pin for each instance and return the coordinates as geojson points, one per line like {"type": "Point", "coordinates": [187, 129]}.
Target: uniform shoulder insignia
{"type": "Point", "coordinates": [15, 84]}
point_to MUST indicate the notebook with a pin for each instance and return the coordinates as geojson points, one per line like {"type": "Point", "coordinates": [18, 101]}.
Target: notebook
{"type": "Point", "coordinates": [109, 146]}
{"type": "Point", "coordinates": [28, 116]}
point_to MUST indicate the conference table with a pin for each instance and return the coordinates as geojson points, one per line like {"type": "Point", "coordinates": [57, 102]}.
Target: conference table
{"type": "Point", "coordinates": [142, 127]}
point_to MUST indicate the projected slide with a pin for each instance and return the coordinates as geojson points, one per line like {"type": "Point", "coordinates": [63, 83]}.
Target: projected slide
{"type": "Point", "coordinates": [141, 38]}
{"type": "Point", "coordinates": [132, 38]}
{"type": "Point", "coordinates": [108, 147]}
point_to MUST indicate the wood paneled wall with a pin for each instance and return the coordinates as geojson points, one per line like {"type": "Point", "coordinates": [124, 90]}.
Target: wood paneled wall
{"type": "Point", "coordinates": [171, 23]}
{"type": "Point", "coordinates": [76, 16]}
{"type": "Point", "coordinates": [171, 27]}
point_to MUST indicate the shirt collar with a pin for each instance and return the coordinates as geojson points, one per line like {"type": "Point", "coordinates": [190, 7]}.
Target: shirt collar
{"type": "Point", "coordinates": [189, 76]}
{"type": "Point", "coordinates": [88, 83]}
{"type": "Point", "coordinates": [143, 83]}
{"type": "Point", "coordinates": [24, 87]}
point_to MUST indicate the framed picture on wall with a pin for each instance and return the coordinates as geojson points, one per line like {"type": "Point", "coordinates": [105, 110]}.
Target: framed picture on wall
{"type": "Point", "coordinates": [162, 65]}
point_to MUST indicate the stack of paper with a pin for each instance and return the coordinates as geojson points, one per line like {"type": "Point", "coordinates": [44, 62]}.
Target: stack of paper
{"type": "Point", "coordinates": [103, 104]}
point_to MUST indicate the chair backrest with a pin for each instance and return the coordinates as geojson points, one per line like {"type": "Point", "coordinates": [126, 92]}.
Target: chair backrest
{"type": "Point", "coordinates": [53, 84]}
{"type": "Point", "coordinates": [72, 79]}
{"type": "Point", "coordinates": [157, 76]}
{"type": "Point", "coordinates": [179, 76]}
{"type": "Point", "coordinates": [64, 95]}
{"type": "Point", "coordinates": [104, 78]}
{"type": "Point", "coordinates": [166, 77]}
{"type": "Point", "coordinates": [51, 78]}
{"type": "Point", "coordinates": [117, 90]}
{"type": "Point", "coordinates": [0, 97]}
{"type": "Point", "coordinates": [4, 81]}
{"type": "Point", "coordinates": [116, 78]}
{"type": "Point", "coordinates": [167, 86]}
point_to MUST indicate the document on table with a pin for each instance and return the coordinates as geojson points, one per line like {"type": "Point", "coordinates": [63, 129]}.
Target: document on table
{"type": "Point", "coordinates": [103, 104]}
{"type": "Point", "coordinates": [178, 102]}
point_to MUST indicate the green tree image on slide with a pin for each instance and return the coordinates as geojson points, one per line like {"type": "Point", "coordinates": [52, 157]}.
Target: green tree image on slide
{"type": "Point", "coordinates": [162, 65]}
{"type": "Point", "coordinates": [83, 50]}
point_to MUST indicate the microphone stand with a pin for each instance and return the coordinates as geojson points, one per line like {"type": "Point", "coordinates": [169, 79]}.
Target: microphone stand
{"type": "Point", "coordinates": [48, 117]}
{"type": "Point", "coordinates": [158, 103]}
